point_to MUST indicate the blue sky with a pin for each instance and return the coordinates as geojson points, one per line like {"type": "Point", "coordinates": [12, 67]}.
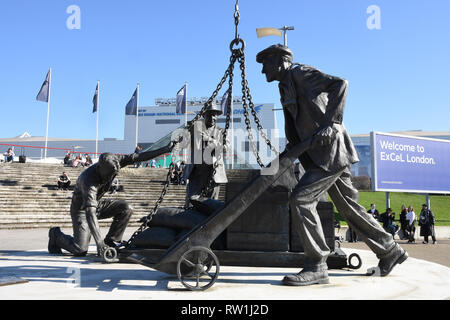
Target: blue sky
{"type": "Point", "coordinates": [399, 75]}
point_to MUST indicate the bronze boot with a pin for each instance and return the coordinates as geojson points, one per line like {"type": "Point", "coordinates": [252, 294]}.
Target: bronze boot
{"type": "Point", "coordinates": [52, 246]}
{"type": "Point", "coordinates": [317, 274]}
{"type": "Point", "coordinates": [396, 256]}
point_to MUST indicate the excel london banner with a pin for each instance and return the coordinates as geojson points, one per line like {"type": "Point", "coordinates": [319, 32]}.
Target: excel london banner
{"type": "Point", "coordinates": [410, 164]}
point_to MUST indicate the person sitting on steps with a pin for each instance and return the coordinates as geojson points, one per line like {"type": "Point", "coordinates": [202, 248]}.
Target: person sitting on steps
{"type": "Point", "coordinates": [63, 181]}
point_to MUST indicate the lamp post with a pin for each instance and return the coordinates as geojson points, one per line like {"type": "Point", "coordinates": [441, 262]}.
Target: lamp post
{"type": "Point", "coordinates": [285, 29]}
{"type": "Point", "coordinates": [264, 32]}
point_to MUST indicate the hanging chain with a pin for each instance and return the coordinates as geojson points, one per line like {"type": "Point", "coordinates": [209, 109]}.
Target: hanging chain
{"type": "Point", "coordinates": [237, 54]}
{"type": "Point", "coordinates": [247, 118]}
{"type": "Point", "coordinates": [207, 191]}
{"type": "Point", "coordinates": [248, 96]}
{"type": "Point", "coordinates": [237, 18]}
{"type": "Point", "coordinates": [149, 217]}
{"type": "Point", "coordinates": [228, 103]}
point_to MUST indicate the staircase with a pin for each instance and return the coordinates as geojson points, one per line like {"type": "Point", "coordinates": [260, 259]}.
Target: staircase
{"type": "Point", "coordinates": [29, 197]}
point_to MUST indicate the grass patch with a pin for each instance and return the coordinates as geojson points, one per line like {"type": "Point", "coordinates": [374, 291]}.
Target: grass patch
{"type": "Point", "coordinates": [440, 204]}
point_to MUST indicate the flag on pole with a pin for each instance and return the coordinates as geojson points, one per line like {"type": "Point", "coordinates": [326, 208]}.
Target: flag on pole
{"type": "Point", "coordinates": [264, 32]}
{"type": "Point", "coordinates": [44, 92]}
{"type": "Point", "coordinates": [95, 110]}
{"type": "Point", "coordinates": [131, 108]}
{"type": "Point", "coordinates": [181, 100]}
{"type": "Point", "coordinates": [224, 104]}
{"type": "Point", "coordinates": [95, 100]}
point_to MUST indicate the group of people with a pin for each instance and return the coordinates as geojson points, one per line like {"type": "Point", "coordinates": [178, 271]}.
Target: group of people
{"type": "Point", "coordinates": [177, 172]}
{"type": "Point", "coordinates": [407, 219]}
{"type": "Point", "coordinates": [426, 221]}
{"type": "Point", "coordinates": [77, 161]}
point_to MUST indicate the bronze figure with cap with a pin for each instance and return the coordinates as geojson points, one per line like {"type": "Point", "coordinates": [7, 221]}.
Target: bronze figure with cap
{"type": "Point", "coordinates": [87, 207]}
{"type": "Point", "coordinates": [205, 159]}
{"type": "Point", "coordinates": [313, 105]}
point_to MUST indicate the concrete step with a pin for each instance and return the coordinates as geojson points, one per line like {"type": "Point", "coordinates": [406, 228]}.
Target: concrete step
{"type": "Point", "coordinates": [28, 200]}
{"type": "Point", "coordinates": [64, 208]}
{"type": "Point", "coordinates": [62, 224]}
{"type": "Point", "coordinates": [139, 194]}
{"type": "Point", "coordinates": [50, 204]}
{"type": "Point", "coordinates": [64, 211]}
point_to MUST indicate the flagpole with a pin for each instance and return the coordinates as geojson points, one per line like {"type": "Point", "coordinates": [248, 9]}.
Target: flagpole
{"type": "Point", "coordinates": [185, 101]}
{"type": "Point", "coordinates": [232, 127]}
{"type": "Point", "coordinates": [185, 115]}
{"type": "Point", "coordinates": [98, 107]}
{"type": "Point", "coordinates": [137, 113]}
{"type": "Point", "coordinates": [48, 112]}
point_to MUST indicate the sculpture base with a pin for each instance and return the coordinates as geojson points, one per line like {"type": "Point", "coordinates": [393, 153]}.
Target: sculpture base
{"type": "Point", "coordinates": [336, 260]}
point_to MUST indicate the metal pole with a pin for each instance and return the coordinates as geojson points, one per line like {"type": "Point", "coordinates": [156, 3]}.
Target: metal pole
{"type": "Point", "coordinates": [185, 117]}
{"type": "Point", "coordinates": [428, 201]}
{"type": "Point", "coordinates": [275, 123]}
{"type": "Point", "coordinates": [388, 200]}
{"type": "Point", "coordinates": [96, 135]}
{"type": "Point", "coordinates": [285, 30]}
{"type": "Point", "coordinates": [232, 127]}
{"type": "Point", "coordinates": [185, 101]}
{"type": "Point", "coordinates": [48, 112]}
{"type": "Point", "coordinates": [137, 113]}
{"type": "Point", "coordinates": [276, 134]}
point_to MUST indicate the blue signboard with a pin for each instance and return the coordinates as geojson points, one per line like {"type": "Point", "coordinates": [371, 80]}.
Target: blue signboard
{"type": "Point", "coordinates": [410, 164]}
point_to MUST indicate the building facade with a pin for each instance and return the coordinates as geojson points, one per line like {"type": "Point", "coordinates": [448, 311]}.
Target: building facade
{"type": "Point", "coordinates": [155, 122]}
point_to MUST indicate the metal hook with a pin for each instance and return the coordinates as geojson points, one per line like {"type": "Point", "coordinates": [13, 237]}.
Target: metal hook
{"type": "Point", "coordinates": [237, 17]}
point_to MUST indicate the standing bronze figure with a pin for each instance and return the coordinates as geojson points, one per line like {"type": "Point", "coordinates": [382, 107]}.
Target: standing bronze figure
{"type": "Point", "coordinates": [206, 140]}
{"type": "Point", "coordinates": [313, 105]}
{"type": "Point", "coordinates": [87, 207]}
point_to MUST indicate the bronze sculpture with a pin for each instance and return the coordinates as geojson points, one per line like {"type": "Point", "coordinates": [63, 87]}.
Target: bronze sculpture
{"type": "Point", "coordinates": [313, 105]}
{"type": "Point", "coordinates": [204, 166]}
{"type": "Point", "coordinates": [87, 207]}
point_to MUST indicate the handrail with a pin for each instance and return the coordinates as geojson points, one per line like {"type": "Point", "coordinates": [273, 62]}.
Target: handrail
{"type": "Point", "coordinates": [35, 147]}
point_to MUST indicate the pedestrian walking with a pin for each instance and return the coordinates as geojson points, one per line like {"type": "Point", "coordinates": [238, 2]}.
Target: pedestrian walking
{"type": "Point", "coordinates": [426, 223]}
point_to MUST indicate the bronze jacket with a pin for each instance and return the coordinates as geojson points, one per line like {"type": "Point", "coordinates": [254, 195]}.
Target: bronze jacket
{"type": "Point", "coordinates": [199, 135]}
{"type": "Point", "coordinates": [89, 188]}
{"type": "Point", "coordinates": [313, 100]}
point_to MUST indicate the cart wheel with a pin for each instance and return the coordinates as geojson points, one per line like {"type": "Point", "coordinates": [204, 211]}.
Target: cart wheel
{"type": "Point", "coordinates": [350, 265]}
{"type": "Point", "coordinates": [198, 269]}
{"type": "Point", "coordinates": [110, 255]}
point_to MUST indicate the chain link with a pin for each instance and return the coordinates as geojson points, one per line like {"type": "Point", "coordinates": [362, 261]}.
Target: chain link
{"type": "Point", "coordinates": [149, 217]}
{"type": "Point", "coordinates": [244, 84]}
{"type": "Point", "coordinates": [207, 191]}
{"type": "Point", "coordinates": [237, 54]}
{"type": "Point", "coordinates": [246, 93]}
{"type": "Point", "coordinates": [237, 17]}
